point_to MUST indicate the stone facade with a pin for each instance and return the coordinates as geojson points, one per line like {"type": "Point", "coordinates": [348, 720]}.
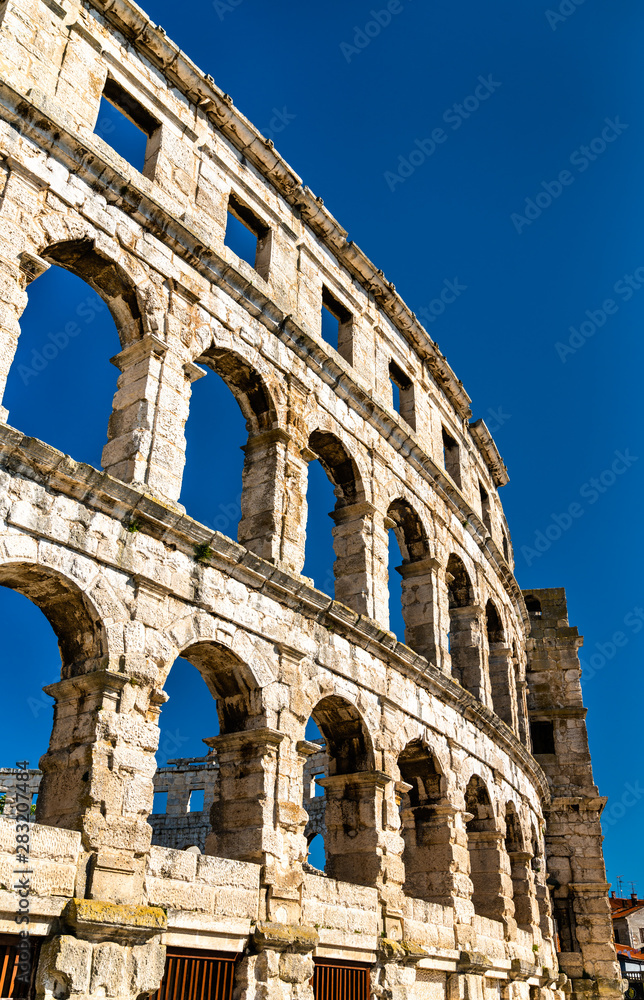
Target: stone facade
{"type": "Point", "coordinates": [449, 834]}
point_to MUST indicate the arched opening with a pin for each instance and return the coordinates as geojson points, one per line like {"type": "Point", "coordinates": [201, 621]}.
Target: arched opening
{"type": "Point", "coordinates": [485, 857]}
{"type": "Point", "coordinates": [234, 495]}
{"type": "Point", "coordinates": [316, 768]}
{"type": "Point", "coordinates": [520, 872]}
{"type": "Point", "coordinates": [61, 383]}
{"type": "Point", "coordinates": [396, 588]}
{"type": "Point", "coordinates": [351, 532]}
{"type": "Point", "coordinates": [427, 852]}
{"type": "Point", "coordinates": [348, 815]}
{"type": "Point", "coordinates": [187, 770]}
{"type": "Point", "coordinates": [464, 629]}
{"type": "Point", "coordinates": [232, 774]}
{"type": "Point", "coordinates": [30, 660]}
{"type": "Point", "coordinates": [493, 625]}
{"type": "Point", "coordinates": [407, 536]}
{"type": "Point", "coordinates": [504, 699]}
{"type": "Point", "coordinates": [57, 749]}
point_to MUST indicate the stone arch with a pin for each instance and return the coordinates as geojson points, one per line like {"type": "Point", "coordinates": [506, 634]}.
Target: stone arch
{"type": "Point", "coordinates": [501, 668]}
{"type": "Point", "coordinates": [201, 629]}
{"type": "Point", "coordinates": [418, 573]}
{"type": "Point", "coordinates": [427, 852]}
{"type": "Point", "coordinates": [265, 450]}
{"type": "Point", "coordinates": [354, 793]}
{"type": "Point", "coordinates": [352, 517]}
{"type": "Point", "coordinates": [348, 742]}
{"type": "Point", "coordinates": [84, 687]}
{"type": "Point", "coordinates": [339, 465]}
{"type": "Point", "coordinates": [483, 842]}
{"type": "Point", "coordinates": [74, 617]}
{"type": "Point", "coordinates": [91, 262]}
{"type": "Point", "coordinates": [464, 629]}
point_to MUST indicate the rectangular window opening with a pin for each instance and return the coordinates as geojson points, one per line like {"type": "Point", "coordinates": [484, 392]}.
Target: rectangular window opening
{"type": "Point", "coordinates": [319, 790]}
{"type": "Point", "coordinates": [542, 734]}
{"type": "Point", "coordinates": [160, 803]}
{"type": "Point", "coordinates": [128, 128]}
{"type": "Point", "coordinates": [337, 325]}
{"type": "Point", "coordinates": [402, 389]}
{"type": "Point", "coordinates": [248, 237]}
{"type": "Point", "coordinates": [486, 516]}
{"type": "Point", "coordinates": [451, 457]}
{"type": "Point", "coordinates": [195, 802]}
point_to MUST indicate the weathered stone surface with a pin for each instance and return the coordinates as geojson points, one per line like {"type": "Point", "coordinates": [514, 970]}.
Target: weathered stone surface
{"type": "Point", "coordinates": [439, 809]}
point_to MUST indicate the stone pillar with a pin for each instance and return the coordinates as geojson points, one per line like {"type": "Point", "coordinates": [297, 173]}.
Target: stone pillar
{"type": "Point", "coordinates": [420, 608]}
{"type": "Point", "coordinates": [522, 712]}
{"type": "Point", "coordinates": [352, 541]}
{"type": "Point", "coordinates": [97, 778]}
{"type": "Point", "coordinates": [294, 508]}
{"type": "Point", "coordinates": [526, 912]}
{"type": "Point", "coordinates": [14, 279]}
{"type": "Point", "coordinates": [146, 443]}
{"type": "Point", "coordinates": [243, 812]}
{"type": "Point", "coordinates": [466, 650]}
{"type": "Point", "coordinates": [263, 493]}
{"type": "Point", "coordinates": [278, 964]}
{"type": "Point", "coordinates": [501, 668]}
{"type": "Point", "coordinates": [489, 871]}
{"type": "Point", "coordinates": [436, 860]}
{"type": "Point", "coordinates": [355, 822]}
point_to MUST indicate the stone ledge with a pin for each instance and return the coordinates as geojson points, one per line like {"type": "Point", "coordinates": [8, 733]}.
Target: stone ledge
{"type": "Point", "coordinates": [96, 919]}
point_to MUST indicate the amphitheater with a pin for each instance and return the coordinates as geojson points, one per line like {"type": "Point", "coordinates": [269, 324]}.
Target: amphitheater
{"type": "Point", "coordinates": [460, 818]}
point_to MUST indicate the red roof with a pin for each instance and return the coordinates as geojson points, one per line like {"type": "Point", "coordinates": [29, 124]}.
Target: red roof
{"type": "Point", "coordinates": [624, 907]}
{"type": "Point", "coordinates": [623, 949]}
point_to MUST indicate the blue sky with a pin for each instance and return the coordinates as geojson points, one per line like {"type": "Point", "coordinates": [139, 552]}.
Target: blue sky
{"type": "Point", "coordinates": [529, 198]}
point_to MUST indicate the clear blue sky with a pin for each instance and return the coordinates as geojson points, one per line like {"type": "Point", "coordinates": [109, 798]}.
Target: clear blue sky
{"type": "Point", "coordinates": [346, 101]}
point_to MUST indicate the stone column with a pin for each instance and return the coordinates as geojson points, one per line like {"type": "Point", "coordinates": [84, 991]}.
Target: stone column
{"type": "Point", "coordinates": [14, 278]}
{"type": "Point", "coordinates": [420, 607]}
{"type": "Point", "coordinates": [489, 871]}
{"type": "Point", "coordinates": [436, 863]}
{"type": "Point", "coordinates": [352, 541]}
{"type": "Point", "coordinates": [526, 912]}
{"type": "Point", "coordinates": [264, 493]}
{"type": "Point", "coordinates": [146, 443]}
{"type": "Point", "coordinates": [294, 508]}
{"type": "Point", "coordinates": [466, 650]}
{"type": "Point", "coordinates": [522, 711]}
{"type": "Point", "coordinates": [355, 823]}
{"type": "Point", "coordinates": [97, 778]}
{"type": "Point", "coordinates": [243, 812]}
{"type": "Point", "coordinates": [501, 669]}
